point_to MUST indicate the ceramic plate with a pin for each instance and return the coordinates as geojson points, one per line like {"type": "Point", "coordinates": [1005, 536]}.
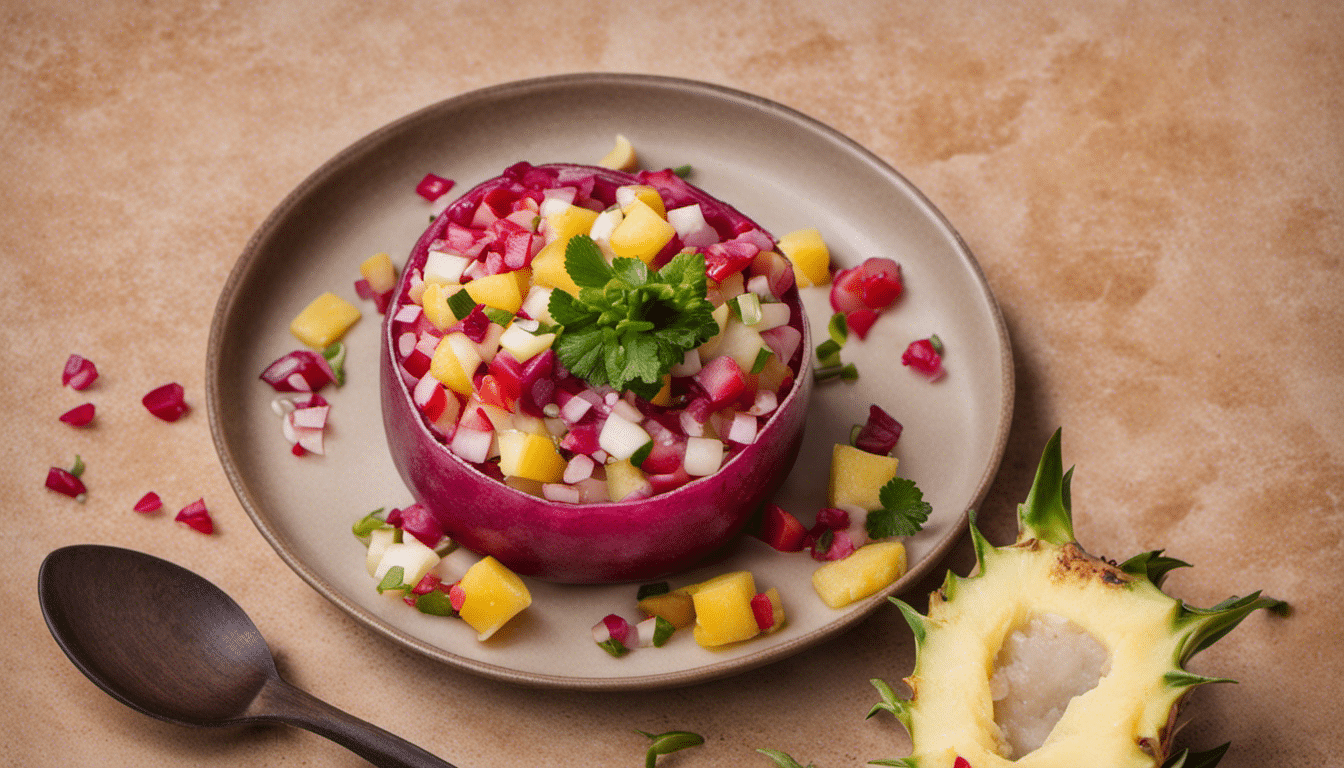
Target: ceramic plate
{"type": "Point", "coordinates": [784, 170]}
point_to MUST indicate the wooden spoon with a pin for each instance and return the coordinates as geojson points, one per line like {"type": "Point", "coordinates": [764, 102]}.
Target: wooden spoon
{"type": "Point", "coordinates": [170, 644]}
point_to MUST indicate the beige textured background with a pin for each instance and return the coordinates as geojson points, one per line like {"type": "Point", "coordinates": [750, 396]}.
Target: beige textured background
{"type": "Point", "coordinates": [1152, 188]}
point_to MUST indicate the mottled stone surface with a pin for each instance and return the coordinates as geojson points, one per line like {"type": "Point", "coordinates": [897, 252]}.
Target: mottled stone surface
{"type": "Point", "coordinates": [1152, 189]}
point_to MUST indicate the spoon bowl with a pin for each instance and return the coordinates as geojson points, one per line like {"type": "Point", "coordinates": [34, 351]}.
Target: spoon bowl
{"type": "Point", "coordinates": [170, 644]}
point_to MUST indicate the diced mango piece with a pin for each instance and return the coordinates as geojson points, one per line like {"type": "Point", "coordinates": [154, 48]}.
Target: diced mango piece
{"type": "Point", "coordinates": [623, 479]}
{"type": "Point", "coordinates": [379, 271]}
{"type": "Point", "coordinates": [676, 606]}
{"type": "Point", "coordinates": [455, 361]}
{"type": "Point", "coordinates": [501, 291]}
{"type": "Point", "coordinates": [628, 194]}
{"type": "Point", "coordinates": [621, 157]}
{"type": "Point", "coordinates": [810, 256]}
{"type": "Point", "coordinates": [522, 343]}
{"type": "Point", "coordinates": [494, 594]}
{"type": "Point", "coordinates": [641, 234]}
{"type": "Point", "coordinates": [723, 609]}
{"type": "Point", "coordinates": [574, 220]}
{"type": "Point", "coordinates": [324, 320]}
{"type": "Point", "coordinates": [530, 456]}
{"type": "Point", "coordinates": [871, 567]}
{"type": "Point", "coordinates": [548, 268]}
{"type": "Point", "coordinates": [857, 476]}
{"type": "Point", "coordinates": [434, 302]}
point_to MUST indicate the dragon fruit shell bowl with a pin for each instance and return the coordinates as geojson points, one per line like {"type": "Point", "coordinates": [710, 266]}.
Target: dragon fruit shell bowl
{"type": "Point", "coordinates": [606, 542]}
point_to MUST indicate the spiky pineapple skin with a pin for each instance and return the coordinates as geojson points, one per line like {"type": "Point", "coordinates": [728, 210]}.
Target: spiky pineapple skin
{"type": "Point", "coordinates": [1125, 721]}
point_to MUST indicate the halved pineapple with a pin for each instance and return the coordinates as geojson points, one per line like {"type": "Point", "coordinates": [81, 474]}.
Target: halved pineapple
{"type": "Point", "coordinates": [1049, 656]}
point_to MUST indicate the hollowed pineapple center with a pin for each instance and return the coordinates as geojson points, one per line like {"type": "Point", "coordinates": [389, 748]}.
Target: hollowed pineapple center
{"type": "Point", "coordinates": [1040, 668]}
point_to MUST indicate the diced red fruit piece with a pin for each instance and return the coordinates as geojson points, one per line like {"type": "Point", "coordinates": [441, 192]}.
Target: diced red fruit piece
{"type": "Point", "coordinates": [837, 546]}
{"type": "Point", "coordinates": [722, 380]}
{"type": "Point", "coordinates": [832, 518]}
{"type": "Point", "coordinates": [79, 416]}
{"type": "Point", "coordinates": [879, 433]}
{"type": "Point", "coordinates": [613, 627]}
{"type": "Point", "coordinates": [428, 583]}
{"type": "Point", "coordinates": [302, 370]}
{"type": "Point", "coordinates": [764, 611]}
{"type": "Point", "coordinates": [197, 516]}
{"type": "Point", "coordinates": [148, 503]}
{"type": "Point", "coordinates": [433, 186]}
{"type": "Point", "coordinates": [923, 357]}
{"type": "Point", "coordinates": [860, 321]}
{"type": "Point", "coordinates": [79, 373]}
{"type": "Point", "coordinates": [381, 299]}
{"type": "Point", "coordinates": [961, 762]}
{"type": "Point", "coordinates": [63, 481]}
{"type": "Point", "coordinates": [457, 596]}
{"type": "Point", "coordinates": [475, 325]}
{"type": "Point", "coordinates": [168, 402]}
{"type": "Point", "coordinates": [417, 521]}
{"type": "Point", "coordinates": [781, 530]}
{"type": "Point", "coordinates": [873, 284]}
{"type": "Point", "coordinates": [298, 450]}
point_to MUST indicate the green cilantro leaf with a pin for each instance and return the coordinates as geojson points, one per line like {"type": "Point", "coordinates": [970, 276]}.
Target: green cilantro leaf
{"type": "Point", "coordinates": [629, 325]}
{"type": "Point", "coordinates": [903, 511]}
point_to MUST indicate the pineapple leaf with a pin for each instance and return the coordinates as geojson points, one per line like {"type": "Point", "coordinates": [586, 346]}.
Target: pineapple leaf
{"type": "Point", "coordinates": [1183, 679]}
{"type": "Point", "coordinates": [1206, 759]}
{"type": "Point", "coordinates": [1208, 625]}
{"type": "Point", "coordinates": [890, 702]}
{"type": "Point", "coordinates": [900, 762]}
{"type": "Point", "coordinates": [914, 619]}
{"type": "Point", "coordinates": [981, 545]}
{"type": "Point", "coordinates": [1046, 514]}
{"type": "Point", "coordinates": [782, 759]}
{"type": "Point", "coordinates": [1153, 566]}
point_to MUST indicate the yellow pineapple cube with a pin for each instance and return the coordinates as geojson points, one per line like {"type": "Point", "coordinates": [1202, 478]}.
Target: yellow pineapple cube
{"type": "Point", "coordinates": [641, 234]}
{"type": "Point", "coordinates": [548, 268]}
{"type": "Point", "coordinates": [857, 476]}
{"type": "Point", "coordinates": [493, 595]}
{"type": "Point", "coordinates": [623, 478]}
{"type": "Point", "coordinates": [379, 272]}
{"type": "Point", "coordinates": [434, 302]}
{"type": "Point", "coordinates": [501, 291]}
{"type": "Point", "coordinates": [676, 606]}
{"type": "Point", "coordinates": [324, 320]}
{"type": "Point", "coordinates": [810, 256]}
{"type": "Point", "coordinates": [621, 157]}
{"type": "Point", "coordinates": [574, 220]}
{"type": "Point", "coordinates": [530, 456]}
{"type": "Point", "coordinates": [871, 567]}
{"type": "Point", "coordinates": [455, 361]}
{"type": "Point", "coordinates": [627, 195]}
{"type": "Point", "coordinates": [723, 609]}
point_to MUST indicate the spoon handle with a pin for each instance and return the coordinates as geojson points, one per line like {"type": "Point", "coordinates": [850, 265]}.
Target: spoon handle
{"type": "Point", "coordinates": [282, 702]}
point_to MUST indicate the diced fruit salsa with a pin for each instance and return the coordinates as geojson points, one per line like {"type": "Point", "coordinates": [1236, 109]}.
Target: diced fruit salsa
{"type": "Point", "coordinates": [589, 336]}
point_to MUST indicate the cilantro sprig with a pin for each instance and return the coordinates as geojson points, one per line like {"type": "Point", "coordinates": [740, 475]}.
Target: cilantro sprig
{"type": "Point", "coordinates": [903, 511]}
{"type": "Point", "coordinates": [629, 324]}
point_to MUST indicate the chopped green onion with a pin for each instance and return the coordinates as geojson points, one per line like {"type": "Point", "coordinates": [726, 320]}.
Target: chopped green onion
{"type": "Point", "coordinates": [936, 343]}
{"type": "Point", "coordinates": [838, 328]}
{"type": "Point", "coordinates": [763, 356]}
{"type": "Point", "coordinates": [461, 304]}
{"type": "Point", "coordinates": [335, 357]}
{"type": "Point", "coordinates": [614, 647]}
{"type": "Point", "coordinates": [368, 523]}
{"type": "Point", "coordinates": [746, 307]}
{"type": "Point", "coordinates": [828, 354]}
{"type": "Point", "coordinates": [662, 631]}
{"type": "Point", "coordinates": [641, 453]}
{"type": "Point", "coordinates": [682, 170]}
{"type": "Point", "coordinates": [843, 372]}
